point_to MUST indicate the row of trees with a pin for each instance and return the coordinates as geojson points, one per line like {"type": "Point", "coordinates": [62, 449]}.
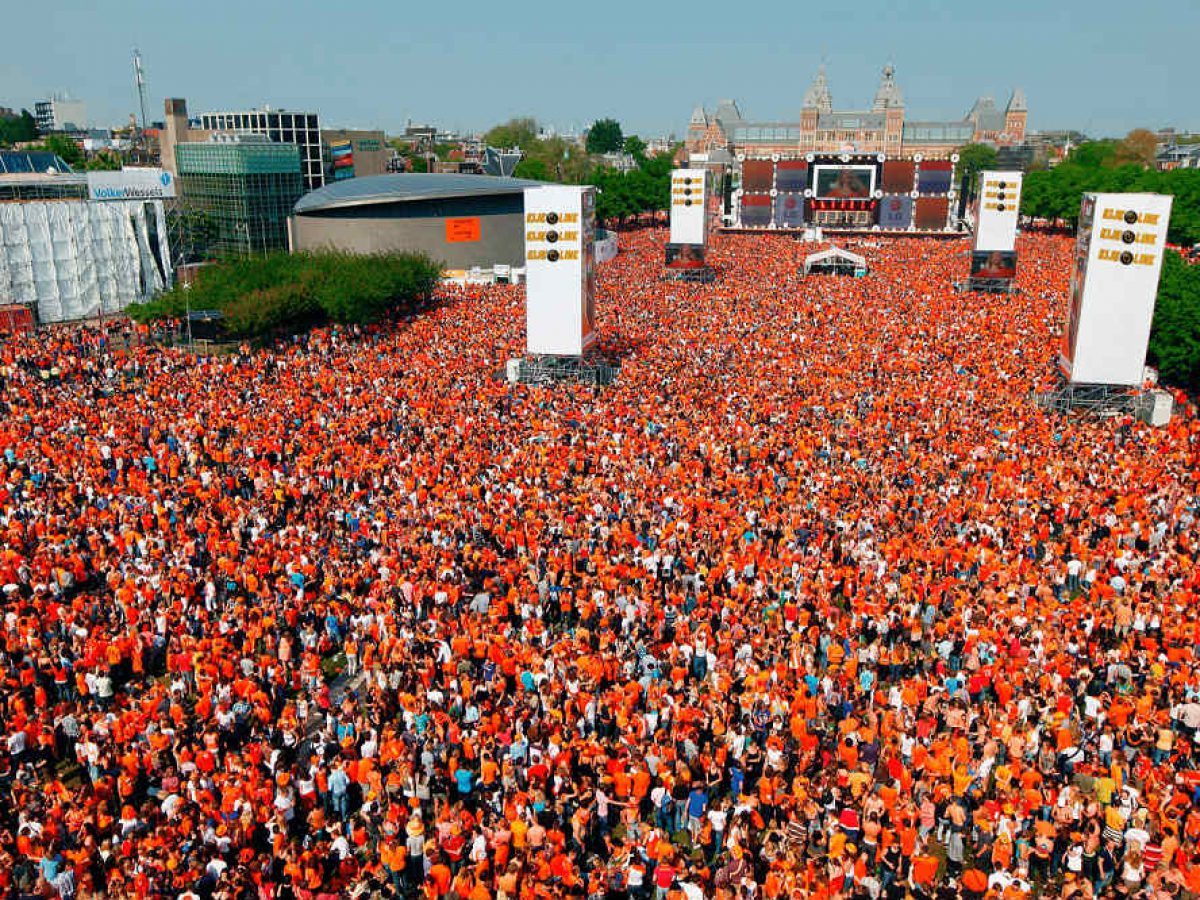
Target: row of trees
{"type": "Point", "coordinates": [287, 292]}
{"type": "Point", "coordinates": [1175, 337]}
{"type": "Point", "coordinates": [1055, 194]}
{"type": "Point", "coordinates": [622, 194]}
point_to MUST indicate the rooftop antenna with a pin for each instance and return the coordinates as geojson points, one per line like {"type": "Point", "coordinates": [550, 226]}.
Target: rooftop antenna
{"type": "Point", "coordinates": [139, 78]}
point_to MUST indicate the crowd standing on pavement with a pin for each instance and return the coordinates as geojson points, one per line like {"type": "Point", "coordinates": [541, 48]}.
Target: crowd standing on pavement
{"type": "Point", "coordinates": [812, 602]}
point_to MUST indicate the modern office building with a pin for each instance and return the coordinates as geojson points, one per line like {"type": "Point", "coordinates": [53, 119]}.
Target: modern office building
{"type": "Point", "coordinates": [60, 113]}
{"type": "Point", "coordinates": [282, 126]}
{"type": "Point", "coordinates": [246, 184]}
{"type": "Point", "coordinates": [354, 154]}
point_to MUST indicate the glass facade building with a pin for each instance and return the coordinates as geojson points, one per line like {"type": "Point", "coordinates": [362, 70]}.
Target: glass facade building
{"type": "Point", "coordinates": [245, 188]}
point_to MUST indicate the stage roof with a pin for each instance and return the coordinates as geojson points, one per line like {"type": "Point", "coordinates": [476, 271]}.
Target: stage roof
{"type": "Point", "coordinates": [834, 255]}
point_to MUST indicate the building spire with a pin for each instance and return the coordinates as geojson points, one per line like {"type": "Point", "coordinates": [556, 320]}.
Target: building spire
{"type": "Point", "coordinates": [889, 95]}
{"type": "Point", "coordinates": [818, 96]}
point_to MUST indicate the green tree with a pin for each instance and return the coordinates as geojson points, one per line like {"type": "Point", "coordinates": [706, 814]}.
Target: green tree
{"type": "Point", "coordinates": [532, 168]}
{"type": "Point", "coordinates": [261, 295]}
{"type": "Point", "coordinates": [66, 148]}
{"type": "Point", "coordinates": [18, 129]}
{"type": "Point", "coordinates": [520, 132]}
{"type": "Point", "coordinates": [635, 146]}
{"type": "Point", "coordinates": [605, 136]}
{"type": "Point", "coordinates": [104, 161]}
{"type": "Point", "coordinates": [973, 159]}
{"type": "Point", "coordinates": [1175, 337]}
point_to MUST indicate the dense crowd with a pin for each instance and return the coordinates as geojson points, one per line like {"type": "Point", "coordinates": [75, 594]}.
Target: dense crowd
{"type": "Point", "coordinates": [812, 602]}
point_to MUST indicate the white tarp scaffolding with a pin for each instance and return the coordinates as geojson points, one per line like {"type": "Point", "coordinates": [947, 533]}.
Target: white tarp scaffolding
{"type": "Point", "coordinates": [77, 260]}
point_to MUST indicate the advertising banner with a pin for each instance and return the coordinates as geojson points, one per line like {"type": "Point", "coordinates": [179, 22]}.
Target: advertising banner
{"type": "Point", "coordinates": [1120, 248]}
{"type": "Point", "coordinates": [559, 267]}
{"type": "Point", "coordinates": [688, 209]}
{"type": "Point", "coordinates": [130, 184]}
{"type": "Point", "coordinates": [996, 220]}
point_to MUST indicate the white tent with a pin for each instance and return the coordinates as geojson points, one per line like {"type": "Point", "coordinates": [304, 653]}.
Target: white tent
{"type": "Point", "coordinates": [836, 260]}
{"type": "Point", "coordinates": [74, 260]}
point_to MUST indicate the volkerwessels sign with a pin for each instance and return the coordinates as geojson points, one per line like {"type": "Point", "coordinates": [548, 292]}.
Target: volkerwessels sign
{"type": "Point", "coordinates": [130, 184]}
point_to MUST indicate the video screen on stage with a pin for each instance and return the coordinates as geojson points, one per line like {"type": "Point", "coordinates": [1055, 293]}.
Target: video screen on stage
{"type": "Point", "coordinates": [758, 175]}
{"type": "Point", "coordinates": [994, 264]}
{"type": "Point", "coordinates": [898, 176]}
{"type": "Point", "coordinates": [791, 175]}
{"type": "Point", "coordinates": [934, 176]}
{"type": "Point", "coordinates": [685, 256]}
{"type": "Point", "coordinates": [931, 213]}
{"type": "Point", "coordinates": [756, 210]}
{"type": "Point", "coordinates": [895, 213]}
{"type": "Point", "coordinates": [844, 181]}
{"type": "Point", "coordinates": [789, 211]}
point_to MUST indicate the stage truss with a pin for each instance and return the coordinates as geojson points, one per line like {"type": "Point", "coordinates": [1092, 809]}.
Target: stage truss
{"type": "Point", "coordinates": [1094, 400]}
{"type": "Point", "coordinates": [691, 276]}
{"type": "Point", "coordinates": [986, 286]}
{"type": "Point", "coordinates": [558, 369]}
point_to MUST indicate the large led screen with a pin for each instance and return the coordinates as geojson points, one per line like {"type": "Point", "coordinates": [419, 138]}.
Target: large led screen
{"type": "Point", "coordinates": [756, 210]}
{"type": "Point", "coordinates": [934, 176]}
{"type": "Point", "coordinates": [684, 256]}
{"type": "Point", "coordinates": [789, 210]}
{"type": "Point", "coordinates": [932, 213]}
{"type": "Point", "coordinates": [898, 176]}
{"type": "Point", "coordinates": [791, 175]}
{"type": "Point", "coordinates": [844, 181]}
{"type": "Point", "coordinates": [994, 264]}
{"type": "Point", "coordinates": [758, 175]}
{"type": "Point", "coordinates": [895, 213]}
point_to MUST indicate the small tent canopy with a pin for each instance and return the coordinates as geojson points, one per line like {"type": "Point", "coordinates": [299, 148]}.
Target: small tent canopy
{"type": "Point", "coordinates": [835, 261]}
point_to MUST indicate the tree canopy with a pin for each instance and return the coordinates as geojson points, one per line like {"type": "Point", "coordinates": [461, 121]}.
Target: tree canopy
{"type": "Point", "coordinates": [67, 149]}
{"type": "Point", "coordinates": [1096, 166]}
{"type": "Point", "coordinates": [973, 159]}
{"type": "Point", "coordinates": [605, 136]}
{"type": "Point", "coordinates": [274, 292]}
{"type": "Point", "coordinates": [1175, 337]}
{"type": "Point", "coordinates": [646, 188]}
{"type": "Point", "coordinates": [17, 129]}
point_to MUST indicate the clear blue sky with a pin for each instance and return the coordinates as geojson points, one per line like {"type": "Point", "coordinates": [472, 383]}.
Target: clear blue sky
{"type": "Point", "coordinates": [1105, 65]}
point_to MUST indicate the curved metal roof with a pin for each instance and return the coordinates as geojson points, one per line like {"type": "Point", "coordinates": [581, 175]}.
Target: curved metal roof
{"type": "Point", "coordinates": [373, 189]}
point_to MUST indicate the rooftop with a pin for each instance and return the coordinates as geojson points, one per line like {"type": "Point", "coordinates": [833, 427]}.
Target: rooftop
{"type": "Point", "coordinates": [407, 188]}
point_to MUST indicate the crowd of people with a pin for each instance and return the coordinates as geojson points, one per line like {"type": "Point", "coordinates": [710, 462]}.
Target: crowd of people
{"type": "Point", "coordinates": [813, 601]}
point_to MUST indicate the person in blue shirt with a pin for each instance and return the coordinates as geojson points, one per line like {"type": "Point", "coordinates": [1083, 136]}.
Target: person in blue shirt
{"type": "Point", "coordinates": [339, 792]}
{"type": "Point", "coordinates": [464, 780]}
{"type": "Point", "coordinates": [696, 805]}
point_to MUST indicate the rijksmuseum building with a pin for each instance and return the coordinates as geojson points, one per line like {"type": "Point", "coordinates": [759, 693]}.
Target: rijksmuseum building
{"type": "Point", "coordinates": [719, 136]}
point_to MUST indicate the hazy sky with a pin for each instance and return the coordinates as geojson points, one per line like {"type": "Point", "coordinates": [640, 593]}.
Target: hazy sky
{"type": "Point", "coordinates": [1104, 66]}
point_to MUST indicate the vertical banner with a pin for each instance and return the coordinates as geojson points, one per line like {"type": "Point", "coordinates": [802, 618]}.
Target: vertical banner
{"type": "Point", "coordinates": [1119, 254]}
{"type": "Point", "coordinates": [688, 207]}
{"type": "Point", "coordinates": [999, 203]}
{"type": "Point", "coordinates": [559, 270]}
